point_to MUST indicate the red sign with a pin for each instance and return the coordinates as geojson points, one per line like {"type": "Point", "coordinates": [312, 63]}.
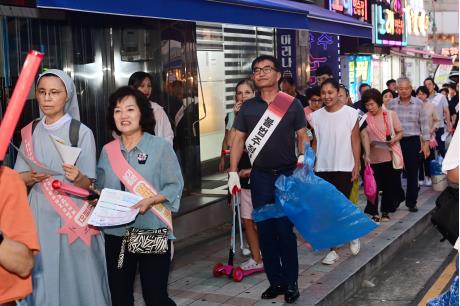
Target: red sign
{"type": "Point", "coordinates": [355, 8]}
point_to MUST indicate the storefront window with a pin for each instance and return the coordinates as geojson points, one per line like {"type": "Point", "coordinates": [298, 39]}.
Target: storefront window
{"type": "Point", "coordinates": [100, 53]}
{"type": "Point", "coordinates": [225, 53]}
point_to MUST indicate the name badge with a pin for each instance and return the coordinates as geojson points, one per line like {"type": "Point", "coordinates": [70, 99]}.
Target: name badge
{"type": "Point", "coordinates": [142, 158]}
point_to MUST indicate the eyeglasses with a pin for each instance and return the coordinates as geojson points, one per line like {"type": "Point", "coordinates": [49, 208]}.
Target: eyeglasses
{"type": "Point", "coordinates": [52, 94]}
{"type": "Point", "coordinates": [266, 70]}
{"type": "Point", "coordinates": [315, 100]}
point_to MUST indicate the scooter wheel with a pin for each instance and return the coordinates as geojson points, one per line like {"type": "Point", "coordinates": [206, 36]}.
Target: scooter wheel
{"type": "Point", "coordinates": [217, 270]}
{"type": "Point", "coordinates": [238, 274]}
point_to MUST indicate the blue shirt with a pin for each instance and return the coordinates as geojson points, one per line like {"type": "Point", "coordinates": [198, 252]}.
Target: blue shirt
{"type": "Point", "coordinates": [279, 150]}
{"type": "Point", "coordinates": [161, 170]}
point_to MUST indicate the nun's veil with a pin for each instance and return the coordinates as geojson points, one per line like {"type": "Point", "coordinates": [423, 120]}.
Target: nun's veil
{"type": "Point", "coordinates": [71, 106]}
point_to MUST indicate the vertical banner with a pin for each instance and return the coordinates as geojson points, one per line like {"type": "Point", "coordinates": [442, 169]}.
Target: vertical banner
{"type": "Point", "coordinates": [359, 70]}
{"type": "Point", "coordinates": [286, 52]}
{"type": "Point", "coordinates": [324, 50]}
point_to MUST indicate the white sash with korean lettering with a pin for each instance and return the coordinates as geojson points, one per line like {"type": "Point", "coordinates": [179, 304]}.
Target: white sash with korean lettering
{"type": "Point", "coordinates": [134, 181]}
{"type": "Point", "coordinates": [267, 124]}
{"type": "Point", "coordinates": [75, 218]}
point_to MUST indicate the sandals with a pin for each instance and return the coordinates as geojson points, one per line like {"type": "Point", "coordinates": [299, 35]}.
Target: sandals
{"type": "Point", "coordinates": [385, 217]}
{"type": "Point", "coordinates": [376, 219]}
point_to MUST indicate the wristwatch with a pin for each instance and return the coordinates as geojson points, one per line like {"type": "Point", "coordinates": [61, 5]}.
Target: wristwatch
{"type": "Point", "coordinates": [1, 237]}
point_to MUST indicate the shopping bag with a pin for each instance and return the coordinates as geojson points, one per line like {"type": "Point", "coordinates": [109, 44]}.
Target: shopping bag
{"type": "Point", "coordinates": [322, 214]}
{"type": "Point", "coordinates": [354, 194]}
{"type": "Point", "coordinates": [370, 186]}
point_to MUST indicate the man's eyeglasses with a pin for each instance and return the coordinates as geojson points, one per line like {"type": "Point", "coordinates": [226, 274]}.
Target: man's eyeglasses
{"type": "Point", "coordinates": [315, 100]}
{"type": "Point", "coordinates": [52, 94]}
{"type": "Point", "coordinates": [266, 70]}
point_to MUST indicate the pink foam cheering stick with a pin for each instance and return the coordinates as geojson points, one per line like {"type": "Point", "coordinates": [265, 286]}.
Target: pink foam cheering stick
{"type": "Point", "coordinates": [74, 190]}
{"type": "Point", "coordinates": [18, 99]}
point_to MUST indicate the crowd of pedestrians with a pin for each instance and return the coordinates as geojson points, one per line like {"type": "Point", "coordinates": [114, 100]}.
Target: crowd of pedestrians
{"type": "Point", "coordinates": [397, 132]}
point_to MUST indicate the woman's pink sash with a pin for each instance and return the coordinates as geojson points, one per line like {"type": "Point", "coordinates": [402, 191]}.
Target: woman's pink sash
{"type": "Point", "coordinates": [75, 218]}
{"type": "Point", "coordinates": [134, 181]}
{"type": "Point", "coordinates": [396, 153]}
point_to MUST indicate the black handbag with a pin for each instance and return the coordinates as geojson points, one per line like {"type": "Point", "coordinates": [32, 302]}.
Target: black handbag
{"type": "Point", "coordinates": [445, 215]}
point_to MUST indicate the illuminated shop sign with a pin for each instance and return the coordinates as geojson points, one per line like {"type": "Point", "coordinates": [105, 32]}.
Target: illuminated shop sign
{"type": "Point", "coordinates": [359, 72]}
{"type": "Point", "coordinates": [388, 23]}
{"type": "Point", "coordinates": [417, 20]}
{"type": "Point", "coordinates": [449, 51]}
{"type": "Point", "coordinates": [355, 8]}
{"type": "Point", "coordinates": [324, 50]}
{"type": "Point", "coordinates": [286, 52]}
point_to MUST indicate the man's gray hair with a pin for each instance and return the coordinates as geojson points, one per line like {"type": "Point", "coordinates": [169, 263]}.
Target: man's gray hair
{"type": "Point", "coordinates": [404, 79]}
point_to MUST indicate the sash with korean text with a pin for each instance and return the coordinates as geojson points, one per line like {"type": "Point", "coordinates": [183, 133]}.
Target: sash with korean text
{"type": "Point", "coordinates": [75, 218]}
{"type": "Point", "coordinates": [267, 124]}
{"type": "Point", "coordinates": [134, 182]}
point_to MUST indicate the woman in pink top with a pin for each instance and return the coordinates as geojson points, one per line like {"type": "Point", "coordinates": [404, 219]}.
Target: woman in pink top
{"type": "Point", "coordinates": [378, 143]}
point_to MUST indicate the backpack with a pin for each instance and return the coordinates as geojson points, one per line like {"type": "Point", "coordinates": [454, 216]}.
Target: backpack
{"type": "Point", "coordinates": [445, 215]}
{"type": "Point", "coordinates": [74, 131]}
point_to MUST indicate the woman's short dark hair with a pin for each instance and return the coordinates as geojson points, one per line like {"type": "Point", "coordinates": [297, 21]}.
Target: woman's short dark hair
{"type": "Point", "coordinates": [312, 91]}
{"type": "Point", "coordinates": [372, 94]}
{"type": "Point", "coordinates": [147, 121]}
{"type": "Point", "coordinates": [423, 89]}
{"type": "Point", "coordinates": [445, 90]}
{"type": "Point", "coordinates": [331, 81]}
{"type": "Point", "coordinates": [136, 79]}
{"type": "Point", "coordinates": [391, 91]}
{"type": "Point", "coordinates": [323, 69]}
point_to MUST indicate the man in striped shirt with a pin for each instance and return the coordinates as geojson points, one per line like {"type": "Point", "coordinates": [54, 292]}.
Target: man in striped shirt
{"type": "Point", "coordinates": [414, 122]}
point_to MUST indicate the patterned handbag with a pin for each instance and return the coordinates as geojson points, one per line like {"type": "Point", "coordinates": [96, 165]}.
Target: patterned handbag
{"type": "Point", "coordinates": [143, 241]}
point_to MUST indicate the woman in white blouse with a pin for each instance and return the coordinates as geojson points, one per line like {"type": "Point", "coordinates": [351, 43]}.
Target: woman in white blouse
{"type": "Point", "coordinates": [142, 81]}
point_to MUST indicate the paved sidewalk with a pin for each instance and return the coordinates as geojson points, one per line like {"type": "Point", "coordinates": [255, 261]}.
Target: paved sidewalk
{"type": "Point", "coordinates": [192, 283]}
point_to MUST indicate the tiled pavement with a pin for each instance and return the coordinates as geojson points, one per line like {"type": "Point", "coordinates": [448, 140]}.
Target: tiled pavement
{"type": "Point", "coordinates": [192, 283]}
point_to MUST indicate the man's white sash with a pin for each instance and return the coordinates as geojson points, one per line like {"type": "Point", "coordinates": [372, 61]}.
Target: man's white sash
{"type": "Point", "coordinates": [267, 124]}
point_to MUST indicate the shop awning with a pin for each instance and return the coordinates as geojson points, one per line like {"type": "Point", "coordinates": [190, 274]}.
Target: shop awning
{"type": "Point", "coordinates": [283, 14]}
{"type": "Point", "coordinates": [435, 58]}
{"type": "Point", "coordinates": [325, 21]}
{"type": "Point", "coordinates": [247, 12]}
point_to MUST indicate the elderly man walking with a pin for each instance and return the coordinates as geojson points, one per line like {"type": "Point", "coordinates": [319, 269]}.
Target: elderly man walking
{"type": "Point", "coordinates": [414, 122]}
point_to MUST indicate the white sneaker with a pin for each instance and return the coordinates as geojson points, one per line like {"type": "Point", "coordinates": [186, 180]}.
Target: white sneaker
{"type": "Point", "coordinates": [355, 246]}
{"type": "Point", "coordinates": [246, 252]}
{"type": "Point", "coordinates": [428, 181]}
{"type": "Point", "coordinates": [251, 264]}
{"type": "Point", "coordinates": [330, 258]}
{"type": "Point", "coordinates": [421, 183]}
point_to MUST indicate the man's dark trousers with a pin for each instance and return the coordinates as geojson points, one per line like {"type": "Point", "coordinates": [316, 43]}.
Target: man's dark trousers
{"type": "Point", "coordinates": [278, 244]}
{"type": "Point", "coordinates": [410, 147]}
{"type": "Point", "coordinates": [277, 240]}
{"type": "Point", "coordinates": [441, 144]}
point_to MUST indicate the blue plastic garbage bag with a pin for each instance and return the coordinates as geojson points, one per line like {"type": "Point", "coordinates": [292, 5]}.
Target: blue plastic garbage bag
{"type": "Point", "coordinates": [448, 298]}
{"type": "Point", "coordinates": [321, 213]}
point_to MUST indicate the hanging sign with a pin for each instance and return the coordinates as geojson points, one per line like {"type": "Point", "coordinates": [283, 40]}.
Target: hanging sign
{"type": "Point", "coordinates": [286, 52]}
{"type": "Point", "coordinates": [324, 50]}
{"type": "Point", "coordinates": [355, 8]}
{"type": "Point", "coordinates": [417, 20]}
{"type": "Point", "coordinates": [388, 23]}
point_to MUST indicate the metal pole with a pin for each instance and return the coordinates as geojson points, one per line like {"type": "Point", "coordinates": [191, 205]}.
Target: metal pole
{"type": "Point", "coordinates": [434, 28]}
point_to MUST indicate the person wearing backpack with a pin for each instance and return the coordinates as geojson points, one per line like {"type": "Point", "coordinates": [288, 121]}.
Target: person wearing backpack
{"type": "Point", "coordinates": [70, 269]}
